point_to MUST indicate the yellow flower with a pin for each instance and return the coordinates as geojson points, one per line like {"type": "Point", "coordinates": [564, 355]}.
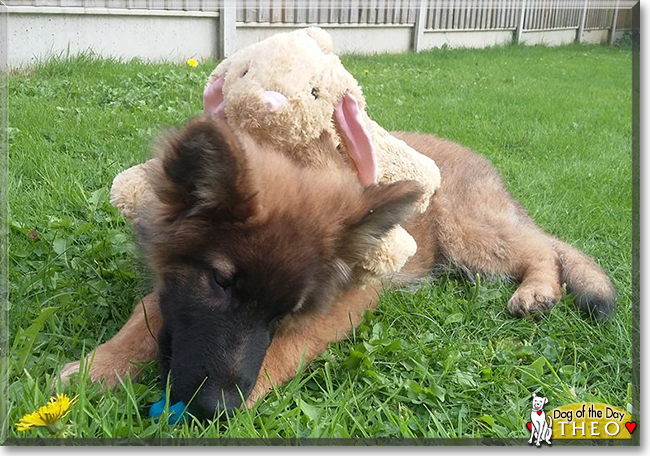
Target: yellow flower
{"type": "Point", "coordinates": [48, 415]}
{"type": "Point", "coordinates": [192, 62]}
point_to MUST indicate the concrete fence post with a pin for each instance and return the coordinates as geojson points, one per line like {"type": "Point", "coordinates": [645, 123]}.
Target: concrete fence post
{"type": "Point", "coordinates": [420, 20]}
{"type": "Point", "coordinates": [227, 33]}
{"type": "Point", "coordinates": [520, 26]}
{"type": "Point", "coordinates": [583, 20]}
{"type": "Point", "coordinates": [612, 30]}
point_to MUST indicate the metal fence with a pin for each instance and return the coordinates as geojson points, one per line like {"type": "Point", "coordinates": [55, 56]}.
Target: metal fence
{"type": "Point", "coordinates": [440, 14]}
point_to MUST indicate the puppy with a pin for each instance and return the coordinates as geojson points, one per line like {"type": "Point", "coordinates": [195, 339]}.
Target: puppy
{"type": "Point", "coordinates": [240, 239]}
{"type": "Point", "coordinates": [256, 258]}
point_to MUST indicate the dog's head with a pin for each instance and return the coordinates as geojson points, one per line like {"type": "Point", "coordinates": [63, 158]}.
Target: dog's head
{"type": "Point", "coordinates": [539, 402]}
{"type": "Point", "coordinates": [241, 238]}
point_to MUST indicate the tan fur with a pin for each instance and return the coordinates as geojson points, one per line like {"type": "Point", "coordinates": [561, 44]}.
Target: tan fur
{"type": "Point", "coordinates": [479, 227]}
{"type": "Point", "coordinates": [472, 223]}
{"type": "Point", "coordinates": [301, 340]}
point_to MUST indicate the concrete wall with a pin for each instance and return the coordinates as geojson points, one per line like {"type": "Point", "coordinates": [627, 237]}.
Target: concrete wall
{"type": "Point", "coordinates": [596, 36]}
{"type": "Point", "coordinates": [466, 39]}
{"type": "Point", "coordinates": [549, 37]}
{"type": "Point", "coordinates": [3, 46]}
{"type": "Point", "coordinates": [156, 37]}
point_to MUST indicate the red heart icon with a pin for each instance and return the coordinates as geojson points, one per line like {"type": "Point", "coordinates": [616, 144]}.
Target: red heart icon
{"type": "Point", "coordinates": [631, 426]}
{"type": "Point", "coordinates": [539, 412]}
{"type": "Point", "coordinates": [529, 425]}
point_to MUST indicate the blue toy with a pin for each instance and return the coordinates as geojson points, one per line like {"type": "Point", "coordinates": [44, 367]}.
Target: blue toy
{"type": "Point", "coordinates": [176, 411]}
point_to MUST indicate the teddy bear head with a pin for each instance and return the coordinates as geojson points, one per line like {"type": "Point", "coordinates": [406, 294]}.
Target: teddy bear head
{"type": "Point", "coordinates": [290, 89]}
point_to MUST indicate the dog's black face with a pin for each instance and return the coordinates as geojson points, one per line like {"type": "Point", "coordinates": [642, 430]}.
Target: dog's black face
{"type": "Point", "coordinates": [219, 316]}
{"type": "Point", "coordinates": [212, 342]}
{"type": "Point", "coordinates": [240, 239]}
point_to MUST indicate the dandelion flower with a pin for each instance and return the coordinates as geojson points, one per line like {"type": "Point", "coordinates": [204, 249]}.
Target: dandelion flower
{"type": "Point", "coordinates": [48, 415]}
{"type": "Point", "coordinates": [192, 62]}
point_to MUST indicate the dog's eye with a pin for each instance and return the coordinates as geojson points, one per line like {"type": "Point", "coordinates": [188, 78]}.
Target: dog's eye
{"type": "Point", "coordinates": [244, 73]}
{"type": "Point", "coordinates": [220, 280]}
{"type": "Point", "coordinates": [314, 93]}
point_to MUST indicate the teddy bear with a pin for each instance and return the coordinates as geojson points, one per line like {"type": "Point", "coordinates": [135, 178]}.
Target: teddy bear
{"type": "Point", "coordinates": [290, 92]}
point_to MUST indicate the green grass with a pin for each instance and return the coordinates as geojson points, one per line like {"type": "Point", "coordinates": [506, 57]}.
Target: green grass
{"type": "Point", "coordinates": [444, 361]}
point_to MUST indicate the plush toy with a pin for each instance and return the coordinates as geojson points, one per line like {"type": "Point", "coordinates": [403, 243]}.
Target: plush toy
{"type": "Point", "coordinates": [292, 93]}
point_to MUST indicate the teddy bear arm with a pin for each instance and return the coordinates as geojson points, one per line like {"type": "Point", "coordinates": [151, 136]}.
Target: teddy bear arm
{"type": "Point", "coordinates": [398, 161]}
{"type": "Point", "coordinates": [388, 258]}
{"type": "Point", "coordinates": [131, 192]}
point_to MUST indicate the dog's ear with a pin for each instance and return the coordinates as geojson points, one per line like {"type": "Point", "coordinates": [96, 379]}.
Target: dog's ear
{"type": "Point", "coordinates": [383, 207]}
{"type": "Point", "coordinates": [534, 395]}
{"type": "Point", "coordinates": [545, 400]}
{"type": "Point", "coordinates": [203, 171]}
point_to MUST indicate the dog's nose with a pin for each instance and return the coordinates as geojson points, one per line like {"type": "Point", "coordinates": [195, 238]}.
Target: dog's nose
{"type": "Point", "coordinates": [274, 100]}
{"type": "Point", "coordinates": [208, 405]}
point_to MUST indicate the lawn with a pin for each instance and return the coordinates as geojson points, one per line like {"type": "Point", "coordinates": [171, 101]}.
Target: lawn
{"type": "Point", "coordinates": [445, 360]}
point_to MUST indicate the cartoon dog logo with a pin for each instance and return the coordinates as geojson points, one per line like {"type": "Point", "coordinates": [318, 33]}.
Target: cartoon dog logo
{"type": "Point", "coordinates": [540, 430]}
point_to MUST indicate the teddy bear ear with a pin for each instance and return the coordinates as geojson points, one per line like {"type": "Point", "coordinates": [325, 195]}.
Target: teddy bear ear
{"type": "Point", "coordinates": [213, 97]}
{"type": "Point", "coordinates": [357, 139]}
{"type": "Point", "coordinates": [321, 37]}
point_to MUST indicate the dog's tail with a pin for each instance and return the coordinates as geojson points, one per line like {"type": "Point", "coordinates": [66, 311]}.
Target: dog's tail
{"type": "Point", "coordinates": [550, 421]}
{"type": "Point", "coordinates": [594, 292]}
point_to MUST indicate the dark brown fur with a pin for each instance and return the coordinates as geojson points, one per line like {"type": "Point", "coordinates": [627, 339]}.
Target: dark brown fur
{"type": "Point", "coordinates": [308, 219]}
{"type": "Point", "coordinates": [472, 223]}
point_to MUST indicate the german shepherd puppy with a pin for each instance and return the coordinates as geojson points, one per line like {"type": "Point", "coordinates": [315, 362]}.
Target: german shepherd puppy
{"type": "Point", "coordinates": [256, 259]}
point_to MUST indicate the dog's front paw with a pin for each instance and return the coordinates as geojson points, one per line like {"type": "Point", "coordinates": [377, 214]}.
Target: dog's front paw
{"type": "Point", "coordinates": [67, 371]}
{"type": "Point", "coordinates": [106, 367]}
{"type": "Point", "coordinates": [533, 299]}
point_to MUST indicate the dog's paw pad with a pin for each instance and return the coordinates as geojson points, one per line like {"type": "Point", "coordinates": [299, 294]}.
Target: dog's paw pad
{"type": "Point", "coordinates": [533, 299]}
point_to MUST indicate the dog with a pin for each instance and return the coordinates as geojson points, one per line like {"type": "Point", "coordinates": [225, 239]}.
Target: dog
{"type": "Point", "coordinates": [255, 259]}
{"type": "Point", "coordinates": [540, 429]}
